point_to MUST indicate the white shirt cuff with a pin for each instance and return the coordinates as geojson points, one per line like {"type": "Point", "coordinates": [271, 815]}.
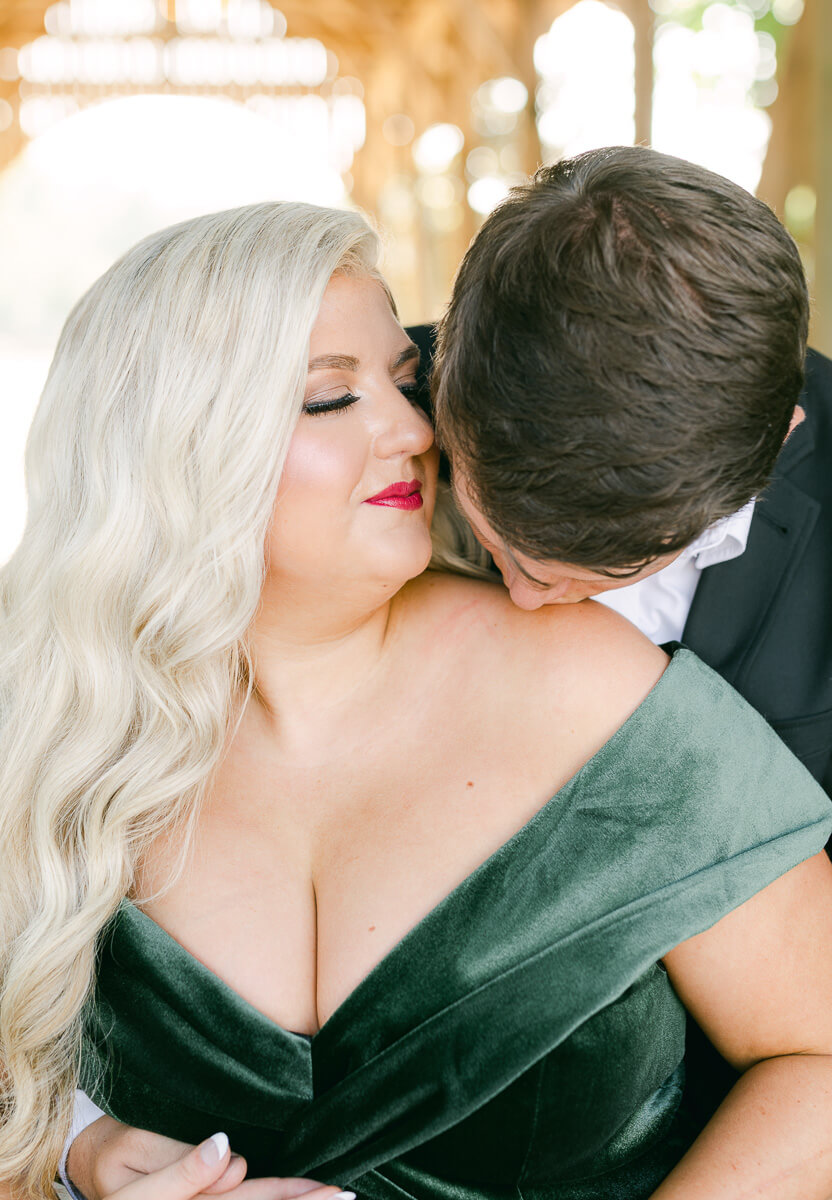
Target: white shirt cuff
{"type": "Point", "coordinates": [83, 1114]}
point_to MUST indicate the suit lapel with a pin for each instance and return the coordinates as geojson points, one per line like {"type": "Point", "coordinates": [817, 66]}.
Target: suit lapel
{"type": "Point", "coordinates": [735, 602]}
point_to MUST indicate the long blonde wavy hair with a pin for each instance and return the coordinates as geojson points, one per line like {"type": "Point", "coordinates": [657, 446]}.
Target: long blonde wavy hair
{"type": "Point", "coordinates": [152, 467]}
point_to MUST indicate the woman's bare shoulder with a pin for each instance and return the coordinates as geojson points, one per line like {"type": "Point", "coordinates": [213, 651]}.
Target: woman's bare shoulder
{"type": "Point", "coordinates": [582, 660]}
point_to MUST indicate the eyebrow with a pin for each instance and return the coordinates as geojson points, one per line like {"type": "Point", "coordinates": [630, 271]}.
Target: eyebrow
{"type": "Point", "coordinates": [343, 362]}
{"type": "Point", "coordinates": [346, 362]}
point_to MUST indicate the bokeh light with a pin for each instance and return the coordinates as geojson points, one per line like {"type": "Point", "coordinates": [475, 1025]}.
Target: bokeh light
{"type": "Point", "coordinates": [787, 12]}
{"type": "Point", "coordinates": [504, 95]}
{"type": "Point", "coordinates": [800, 208]}
{"type": "Point", "coordinates": [709, 86]}
{"type": "Point", "coordinates": [587, 66]}
{"type": "Point", "coordinates": [438, 146]}
{"type": "Point", "coordinates": [486, 193]}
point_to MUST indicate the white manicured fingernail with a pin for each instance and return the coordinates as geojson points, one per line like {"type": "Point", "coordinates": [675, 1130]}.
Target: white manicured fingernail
{"type": "Point", "coordinates": [214, 1149]}
{"type": "Point", "coordinates": [344, 1196]}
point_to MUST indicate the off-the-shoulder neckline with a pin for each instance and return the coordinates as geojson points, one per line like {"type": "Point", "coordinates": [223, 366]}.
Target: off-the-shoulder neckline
{"type": "Point", "coordinates": [153, 928]}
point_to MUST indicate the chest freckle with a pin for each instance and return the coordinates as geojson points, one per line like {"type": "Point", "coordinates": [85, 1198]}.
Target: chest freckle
{"type": "Point", "coordinates": [370, 928]}
{"type": "Point", "coordinates": [470, 783]}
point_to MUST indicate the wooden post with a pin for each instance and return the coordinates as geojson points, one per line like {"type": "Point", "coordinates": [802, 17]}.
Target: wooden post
{"type": "Point", "coordinates": [790, 157]}
{"type": "Point", "coordinates": [641, 15]}
{"type": "Point", "coordinates": [644, 25]}
{"type": "Point", "coordinates": [531, 23]}
{"type": "Point", "coordinates": [822, 316]}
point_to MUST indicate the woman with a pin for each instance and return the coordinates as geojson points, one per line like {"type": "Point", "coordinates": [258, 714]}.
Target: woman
{"type": "Point", "coordinates": [398, 885]}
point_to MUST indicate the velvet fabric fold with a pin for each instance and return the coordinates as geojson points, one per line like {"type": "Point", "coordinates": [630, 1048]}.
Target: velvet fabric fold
{"type": "Point", "coordinates": [523, 1038]}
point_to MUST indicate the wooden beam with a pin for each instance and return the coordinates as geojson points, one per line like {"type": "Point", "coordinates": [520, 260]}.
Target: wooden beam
{"type": "Point", "coordinates": [644, 26]}
{"type": "Point", "coordinates": [822, 317]}
{"type": "Point", "coordinates": [792, 148]}
{"type": "Point", "coordinates": [530, 23]}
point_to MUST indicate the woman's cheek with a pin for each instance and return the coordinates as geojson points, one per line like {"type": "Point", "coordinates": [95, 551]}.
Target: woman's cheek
{"type": "Point", "coordinates": [318, 463]}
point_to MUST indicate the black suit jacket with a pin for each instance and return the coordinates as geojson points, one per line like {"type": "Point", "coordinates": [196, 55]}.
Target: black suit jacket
{"type": "Point", "coordinates": [764, 620]}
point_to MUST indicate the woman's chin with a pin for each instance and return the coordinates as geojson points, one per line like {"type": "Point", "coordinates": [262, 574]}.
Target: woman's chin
{"type": "Point", "coordinates": [399, 569]}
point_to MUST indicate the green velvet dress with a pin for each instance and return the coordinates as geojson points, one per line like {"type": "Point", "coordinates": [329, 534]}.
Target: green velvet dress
{"type": "Point", "coordinates": [522, 1042]}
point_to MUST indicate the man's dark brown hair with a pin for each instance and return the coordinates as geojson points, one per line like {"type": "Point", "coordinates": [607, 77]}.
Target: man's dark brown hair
{"type": "Point", "coordinates": [621, 357]}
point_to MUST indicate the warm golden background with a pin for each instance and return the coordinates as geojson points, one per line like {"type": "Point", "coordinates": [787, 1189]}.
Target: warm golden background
{"type": "Point", "coordinates": [120, 116]}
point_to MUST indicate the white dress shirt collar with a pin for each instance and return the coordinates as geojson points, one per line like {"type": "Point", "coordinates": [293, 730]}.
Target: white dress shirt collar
{"type": "Point", "coordinates": [660, 603]}
{"type": "Point", "coordinates": [724, 540]}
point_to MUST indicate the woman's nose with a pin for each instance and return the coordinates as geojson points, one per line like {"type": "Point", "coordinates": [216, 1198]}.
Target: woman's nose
{"type": "Point", "coordinates": [404, 428]}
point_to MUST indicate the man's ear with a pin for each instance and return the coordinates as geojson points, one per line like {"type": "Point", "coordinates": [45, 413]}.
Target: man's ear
{"type": "Point", "coordinates": [798, 415]}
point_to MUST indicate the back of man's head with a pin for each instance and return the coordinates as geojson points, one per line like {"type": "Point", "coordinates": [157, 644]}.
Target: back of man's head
{"type": "Point", "coordinates": [621, 357]}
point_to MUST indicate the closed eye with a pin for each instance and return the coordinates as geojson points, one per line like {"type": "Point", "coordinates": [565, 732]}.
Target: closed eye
{"type": "Point", "coordinates": [411, 390]}
{"type": "Point", "coordinates": [334, 405]}
{"type": "Point", "coordinates": [416, 393]}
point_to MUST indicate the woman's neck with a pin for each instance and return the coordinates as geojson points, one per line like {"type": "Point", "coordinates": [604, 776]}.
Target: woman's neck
{"type": "Point", "coordinates": [313, 658]}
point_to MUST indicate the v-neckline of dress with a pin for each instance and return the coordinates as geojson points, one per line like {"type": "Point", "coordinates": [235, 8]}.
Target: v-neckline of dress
{"type": "Point", "coordinates": [344, 1010]}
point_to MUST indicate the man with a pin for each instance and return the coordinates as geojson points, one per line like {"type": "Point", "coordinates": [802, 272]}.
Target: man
{"type": "Point", "coordinates": [618, 371]}
{"type": "Point", "coordinates": [620, 388]}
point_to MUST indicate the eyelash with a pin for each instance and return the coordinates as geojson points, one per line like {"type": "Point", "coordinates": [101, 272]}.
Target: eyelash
{"type": "Point", "coordinates": [409, 390]}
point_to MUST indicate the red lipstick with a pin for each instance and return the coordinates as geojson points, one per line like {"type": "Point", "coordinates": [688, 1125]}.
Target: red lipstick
{"type": "Point", "coordinates": [400, 495]}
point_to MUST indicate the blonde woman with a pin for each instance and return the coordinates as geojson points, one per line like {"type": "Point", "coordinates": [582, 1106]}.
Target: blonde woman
{"type": "Point", "coordinates": [396, 885]}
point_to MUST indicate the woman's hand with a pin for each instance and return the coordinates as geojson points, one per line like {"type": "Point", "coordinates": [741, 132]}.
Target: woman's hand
{"type": "Point", "coordinates": [111, 1161]}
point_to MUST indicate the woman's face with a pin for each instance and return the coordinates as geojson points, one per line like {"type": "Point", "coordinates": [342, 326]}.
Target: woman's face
{"type": "Point", "coordinates": [358, 489]}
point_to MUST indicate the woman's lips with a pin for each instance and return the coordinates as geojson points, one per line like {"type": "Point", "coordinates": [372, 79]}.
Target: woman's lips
{"type": "Point", "coordinates": [407, 496]}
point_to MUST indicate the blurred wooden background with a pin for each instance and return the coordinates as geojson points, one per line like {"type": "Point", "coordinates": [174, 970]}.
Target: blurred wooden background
{"type": "Point", "coordinates": [419, 64]}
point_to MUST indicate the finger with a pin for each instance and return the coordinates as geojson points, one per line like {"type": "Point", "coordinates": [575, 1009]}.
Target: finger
{"type": "Point", "coordinates": [311, 1189]}
{"type": "Point", "coordinates": [287, 1189]}
{"type": "Point", "coordinates": [234, 1175]}
{"type": "Point", "coordinates": [185, 1179]}
{"type": "Point", "coordinates": [145, 1152]}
